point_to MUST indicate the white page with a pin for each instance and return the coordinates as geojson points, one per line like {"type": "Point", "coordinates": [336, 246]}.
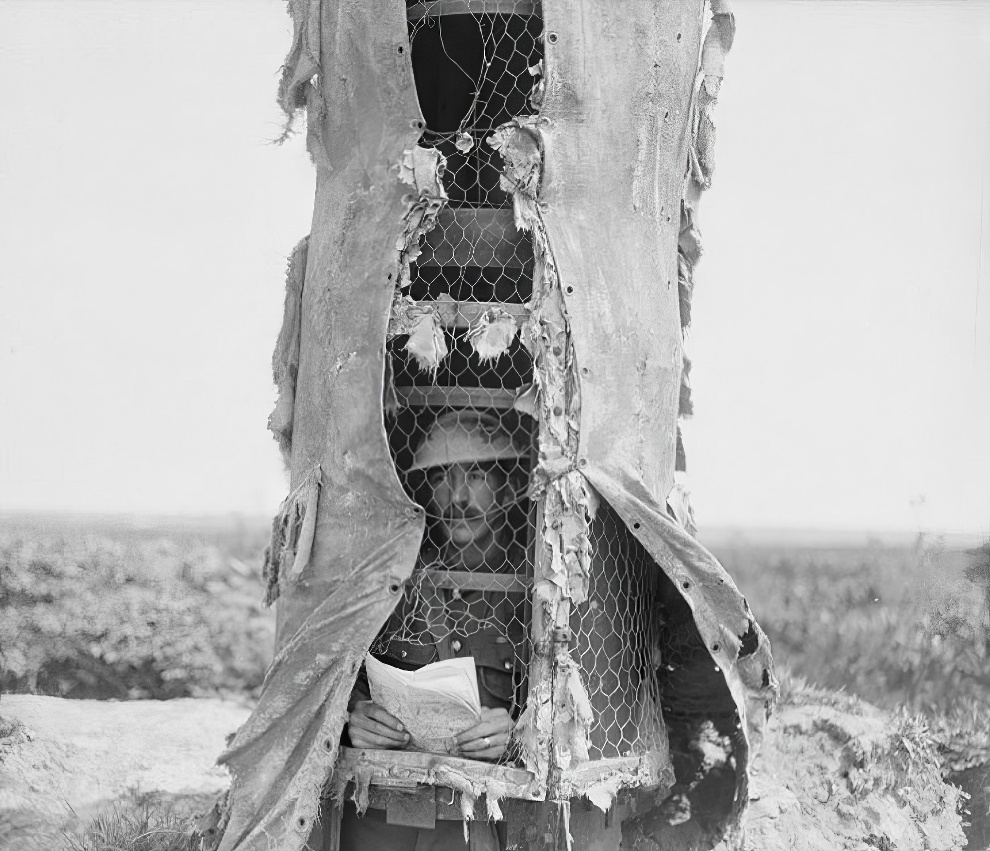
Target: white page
{"type": "Point", "coordinates": [435, 703]}
{"type": "Point", "coordinates": [456, 677]}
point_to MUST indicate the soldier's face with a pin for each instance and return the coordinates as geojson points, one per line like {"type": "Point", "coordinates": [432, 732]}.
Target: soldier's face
{"type": "Point", "coordinates": [467, 499]}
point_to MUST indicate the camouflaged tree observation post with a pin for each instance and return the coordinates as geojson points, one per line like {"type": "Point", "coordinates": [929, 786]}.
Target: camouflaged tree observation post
{"type": "Point", "coordinates": [504, 226]}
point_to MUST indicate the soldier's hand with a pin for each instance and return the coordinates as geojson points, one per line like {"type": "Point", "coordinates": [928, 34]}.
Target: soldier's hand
{"type": "Point", "coordinates": [370, 726]}
{"type": "Point", "coordinates": [487, 739]}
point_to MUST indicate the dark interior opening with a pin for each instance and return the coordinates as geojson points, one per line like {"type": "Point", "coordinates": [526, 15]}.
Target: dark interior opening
{"type": "Point", "coordinates": [473, 73]}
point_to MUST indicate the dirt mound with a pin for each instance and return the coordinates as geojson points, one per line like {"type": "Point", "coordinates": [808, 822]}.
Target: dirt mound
{"type": "Point", "coordinates": [836, 773]}
{"type": "Point", "coordinates": [62, 761]}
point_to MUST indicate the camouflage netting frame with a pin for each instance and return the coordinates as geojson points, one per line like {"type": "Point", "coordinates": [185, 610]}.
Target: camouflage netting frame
{"type": "Point", "coordinates": [454, 343]}
{"type": "Point", "coordinates": [547, 238]}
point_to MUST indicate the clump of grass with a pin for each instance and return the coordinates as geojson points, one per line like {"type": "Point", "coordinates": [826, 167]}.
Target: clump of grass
{"type": "Point", "coordinates": [795, 690]}
{"type": "Point", "coordinates": [908, 752]}
{"type": "Point", "coordinates": [10, 728]}
{"type": "Point", "coordinates": [137, 823]}
{"type": "Point", "coordinates": [963, 735]}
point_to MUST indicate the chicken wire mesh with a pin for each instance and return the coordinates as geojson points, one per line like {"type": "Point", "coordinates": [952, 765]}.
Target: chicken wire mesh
{"type": "Point", "coordinates": [504, 275]}
{"type": "Point", "coordinates": [477, 64]}
{"type": "Point", "coordinates": [461, 448]}
{"type": "Point", "coordinates": [474, 71]}
{"type": "Point", "coordinates": [621, 633]}
{"type": "Point", "coordinates": [619, 641]}
{"type": "Point", "coordinates": [469, 592]}
{"type": "Point", "coordinates": [434, 620]}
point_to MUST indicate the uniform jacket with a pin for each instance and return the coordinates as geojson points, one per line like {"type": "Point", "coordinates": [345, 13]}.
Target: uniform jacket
{"type": "Point", "coordinates": [431, 624]}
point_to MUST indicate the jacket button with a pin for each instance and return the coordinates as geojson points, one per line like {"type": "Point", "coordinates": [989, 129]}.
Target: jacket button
{"type": "Point", "coordinates": [404, 654]}
{"type": "Point", "coordinates": [455, 645]}
{"type": "Point", "coordinates": [507, 666]}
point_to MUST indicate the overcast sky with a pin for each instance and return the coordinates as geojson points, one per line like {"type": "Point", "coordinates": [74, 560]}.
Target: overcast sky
{"type": "Point", "coordinates": [841, 338]}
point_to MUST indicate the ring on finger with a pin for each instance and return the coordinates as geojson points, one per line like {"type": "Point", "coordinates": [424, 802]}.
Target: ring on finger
{"type": "Point", "coordinates": [488, 742]}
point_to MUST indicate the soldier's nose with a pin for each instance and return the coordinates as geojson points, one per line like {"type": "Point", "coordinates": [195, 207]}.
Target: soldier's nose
{"type": "Point", "coordinates": [459, 491]}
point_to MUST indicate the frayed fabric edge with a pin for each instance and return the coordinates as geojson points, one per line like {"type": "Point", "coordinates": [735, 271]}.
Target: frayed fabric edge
{"type": "Point", "coordinates": [285, 359]}
{"type": "Point", "coordinates": [293, 530]}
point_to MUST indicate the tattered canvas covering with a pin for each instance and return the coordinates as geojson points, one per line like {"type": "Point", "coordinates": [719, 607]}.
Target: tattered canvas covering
{"type": "Point", "coordinates": [619, 145]}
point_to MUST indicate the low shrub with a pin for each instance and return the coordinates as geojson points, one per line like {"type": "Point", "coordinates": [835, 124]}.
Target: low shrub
{"type": "Point", "coordinates": [898, 626]}
{"type": "Point", "coordinates": [116, 615]}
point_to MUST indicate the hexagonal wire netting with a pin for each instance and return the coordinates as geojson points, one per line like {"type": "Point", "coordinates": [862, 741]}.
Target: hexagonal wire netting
{"type": "Point", "coordinates": [473, 73]}
{"type": "Point", "coordinates": [619, 641]}
{"type": "Point", "coordinates": [462, 450]}
{"type": "Point", "coordinates": [449, 427]}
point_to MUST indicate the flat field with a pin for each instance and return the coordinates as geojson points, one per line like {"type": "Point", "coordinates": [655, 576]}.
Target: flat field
{"type": "Point", "coordinates": [120, 608]}
{"type": "Point", "coordinates": [109, 607]}
{"type": "Point", "coordinates": [902, 624]}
